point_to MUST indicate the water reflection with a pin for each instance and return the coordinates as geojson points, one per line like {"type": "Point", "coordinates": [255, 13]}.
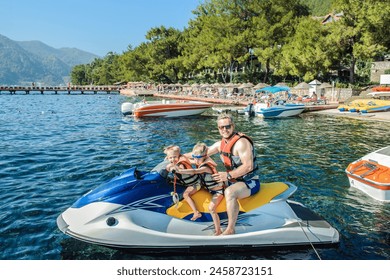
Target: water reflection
{"type": "Point", "coordinates": [49, 160]}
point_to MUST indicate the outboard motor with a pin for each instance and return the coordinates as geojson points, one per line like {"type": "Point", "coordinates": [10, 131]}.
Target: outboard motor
{"type": "Point", "coordinates": [127, 108]}
{"type": "Point", "coordinates": [249, 111]}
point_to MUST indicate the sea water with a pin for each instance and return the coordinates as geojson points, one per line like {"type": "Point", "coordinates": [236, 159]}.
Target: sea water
{"type": "Point", "coordinates": [55, 148]}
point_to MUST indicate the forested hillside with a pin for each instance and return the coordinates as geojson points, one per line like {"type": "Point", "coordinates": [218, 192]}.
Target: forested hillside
{"type": "Point", "coordinates": [22, 63]}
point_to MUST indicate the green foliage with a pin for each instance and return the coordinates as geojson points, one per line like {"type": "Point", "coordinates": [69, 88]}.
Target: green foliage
{"type": "Point", "coordinates": [318, 7]}
{"type": "Point", "coordinates": [256, 41]}
{"type": "Point", "coordinates": [362, 32]}
{"type": "Point", "coordinates": [306, 54]}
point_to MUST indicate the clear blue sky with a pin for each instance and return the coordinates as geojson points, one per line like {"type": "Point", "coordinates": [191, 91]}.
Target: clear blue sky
{"type": "Point", "coordinates": [96, 26]}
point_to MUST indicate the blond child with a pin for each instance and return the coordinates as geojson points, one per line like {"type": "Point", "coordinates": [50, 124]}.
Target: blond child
{"type": "Point", "coordinates": [205, 168]}
{"type": "Point", "coordinates": [177, 161]}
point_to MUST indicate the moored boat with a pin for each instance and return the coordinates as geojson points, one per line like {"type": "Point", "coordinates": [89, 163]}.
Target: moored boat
{"type": "Point", "coordinates": [366, 106]}
{"type": "Point", "coordinates": [278, 109]}
{"type": "Point", "coordinates": [379, 94]}
{"type": "Point", "coordinates": [164, 108]}
{"type": "Point", "coordinates": [371, 174]}
{"type": "Point", "coordinates": [375, 105]}
{"type": "Point", "coordinates": [137, 209]}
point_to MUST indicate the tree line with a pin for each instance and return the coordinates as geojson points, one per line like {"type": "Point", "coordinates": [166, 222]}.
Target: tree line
{"type": "Point", "coordinates": [254, 41]}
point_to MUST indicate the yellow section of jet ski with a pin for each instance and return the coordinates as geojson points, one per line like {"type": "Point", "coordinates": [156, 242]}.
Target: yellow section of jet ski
{"type": "Point", "coordinates": [202, 199]}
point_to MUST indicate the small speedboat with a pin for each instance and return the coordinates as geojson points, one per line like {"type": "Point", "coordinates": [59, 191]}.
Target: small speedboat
{"type": "Point", "coordinates": [140, 209]}
{"type": "Point", "coordinates": [278, 109]}
{"type": "Point", "coordinates": [164, 108]}
{"type": "Point", "coordinates": [371, 174]}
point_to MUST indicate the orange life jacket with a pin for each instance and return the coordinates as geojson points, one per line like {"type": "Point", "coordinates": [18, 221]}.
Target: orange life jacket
{"type": "Point", "coordinates": [230, 161]}
{"type": "Point", "coordinates": [206, 179]}
{"type": "Point", "coordinates": [186, 179]}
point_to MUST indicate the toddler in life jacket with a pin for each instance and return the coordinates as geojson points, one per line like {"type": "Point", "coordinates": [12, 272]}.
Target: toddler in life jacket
{"type": "Point", "coordinates": [177, 161]}
{"type": "Point", "coordinates": [205, 167]}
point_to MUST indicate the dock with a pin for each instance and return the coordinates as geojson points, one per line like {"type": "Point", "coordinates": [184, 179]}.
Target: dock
{"type": "Point", "coordinates": [60, 90]}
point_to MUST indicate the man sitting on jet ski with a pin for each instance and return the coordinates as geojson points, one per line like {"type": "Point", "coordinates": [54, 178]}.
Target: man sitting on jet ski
{"type": "Point", "coordinates": [238, 156]}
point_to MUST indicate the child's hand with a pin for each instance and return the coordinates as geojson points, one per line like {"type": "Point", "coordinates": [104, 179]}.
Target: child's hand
{"type": "Point", "coordinates": [174, 169]}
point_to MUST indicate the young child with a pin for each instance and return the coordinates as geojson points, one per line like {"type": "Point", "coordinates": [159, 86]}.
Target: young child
{"type": "Point", "coordinates": [177, 161]}
{"type": "Point", "coordinates": [205, 168]}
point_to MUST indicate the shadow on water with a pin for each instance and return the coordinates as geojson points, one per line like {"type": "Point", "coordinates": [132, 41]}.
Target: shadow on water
{"type": "Point", "coordinates": [77, 250]}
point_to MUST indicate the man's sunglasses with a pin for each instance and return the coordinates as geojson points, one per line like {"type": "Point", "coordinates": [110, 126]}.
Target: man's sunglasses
{"type": "Point", "coordinates": [229, 126]}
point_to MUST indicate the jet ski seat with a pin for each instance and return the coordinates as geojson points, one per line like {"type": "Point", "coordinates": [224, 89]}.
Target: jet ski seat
{"type": "Point", "coordinates": [202, 198]}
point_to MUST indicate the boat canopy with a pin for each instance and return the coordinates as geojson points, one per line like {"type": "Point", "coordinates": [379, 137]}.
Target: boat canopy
{"type": "Point", "coordinates": [273, 89]}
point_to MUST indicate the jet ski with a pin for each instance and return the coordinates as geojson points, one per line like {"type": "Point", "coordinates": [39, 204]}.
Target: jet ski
{"type": "Point", "coordinates": [141, 209]}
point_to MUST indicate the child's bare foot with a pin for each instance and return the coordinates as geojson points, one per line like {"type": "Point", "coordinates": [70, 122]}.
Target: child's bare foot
{"type": "Point", "coordinates": [196, 215]}
{"type": "Point", "coordinates": [228, 232]}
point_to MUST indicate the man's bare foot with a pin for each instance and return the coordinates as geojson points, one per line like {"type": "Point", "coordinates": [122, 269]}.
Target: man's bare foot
{"type": "Point", "coordinates": [196, 216]}
{"type": "Point", "coordinates": [228, 232]}
{"type": "Point", "coordinates": [218, 232]}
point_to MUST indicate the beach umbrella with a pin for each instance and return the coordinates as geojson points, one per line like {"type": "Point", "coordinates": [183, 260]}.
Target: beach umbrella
{"type": "Point", "coordinates": [315, 83]}
{"type": "Point", "coordinates": [261, 85]}
{"type": "Point", "coordinates": [245, 85]}
{"type": "Point", "coordinates": [325, 85]}
{"type": "Point", "coordinates": [273, 89]}
{"type": "Point", "coordinates": [302, 85]}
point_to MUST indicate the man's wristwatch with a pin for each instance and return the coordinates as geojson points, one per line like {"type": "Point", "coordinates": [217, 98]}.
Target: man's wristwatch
{"type": "Point", "coordinates": [229, 176]}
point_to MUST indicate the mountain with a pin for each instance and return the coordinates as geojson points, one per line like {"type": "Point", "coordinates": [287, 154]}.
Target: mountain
{"type": "Point", "coordinates": [22, 63]}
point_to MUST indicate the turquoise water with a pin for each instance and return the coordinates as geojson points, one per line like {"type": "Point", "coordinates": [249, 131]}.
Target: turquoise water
{"type": "Point", "coordinates": [54, 148]}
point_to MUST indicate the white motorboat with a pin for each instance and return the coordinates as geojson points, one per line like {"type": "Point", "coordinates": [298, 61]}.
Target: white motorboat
{"type": "Point", "coordinates": [136, 210]}
{"type": "Point", "coordinates": [371, 174]}
{"type": "Point", "coordinates": [278, 109]}
{"type": "Point", "coordinates": [273, 103]}
{"type": "Point", "coordinates": [164, 108]}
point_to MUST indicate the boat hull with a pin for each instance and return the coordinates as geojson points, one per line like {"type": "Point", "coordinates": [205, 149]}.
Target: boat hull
{"type": "Point", "coordinates": [371, 174]}
{"type": "Point", "coordinates": [371, 188]}
{"type": "Point", "coordinates": [136, 210]}
{"type": "Point", "coordinates": [165, 109]}
{"type": "Point", "coordinates": [152, 230]}
{"type": "Point", "coordinates": [280, 111]}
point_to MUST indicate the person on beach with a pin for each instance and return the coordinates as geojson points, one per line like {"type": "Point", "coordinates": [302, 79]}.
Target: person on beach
{"type": "Point", "coordinates": [191, 180]}
{"type": "Point", "coordinates": [205, 167]}
{"type": "Point", "coordinates": [238, 156]}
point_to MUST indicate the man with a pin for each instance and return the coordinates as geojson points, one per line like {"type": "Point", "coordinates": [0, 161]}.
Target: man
{"type": "Point", "coordinates": [238, 156]}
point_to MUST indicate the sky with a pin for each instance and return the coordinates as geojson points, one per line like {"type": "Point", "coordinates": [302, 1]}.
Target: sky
{"type": "Point", "coordinates": [95, 26]}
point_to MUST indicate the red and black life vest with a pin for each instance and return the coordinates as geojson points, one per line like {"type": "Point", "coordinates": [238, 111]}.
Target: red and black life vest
{"type": "Point", "coordinates": [206, 179]}
{"type": "Point", "coordinates": [186, 179]}
{"type": "Point", "coordinates": [230, 161]}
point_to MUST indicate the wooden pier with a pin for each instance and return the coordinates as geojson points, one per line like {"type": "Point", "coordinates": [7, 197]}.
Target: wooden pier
{"type": "Point", "coordinates": [60, 90]}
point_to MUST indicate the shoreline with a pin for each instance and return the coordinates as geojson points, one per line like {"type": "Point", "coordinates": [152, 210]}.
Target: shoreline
{"type": "Point", "coordinates": [378, 116]}
{"type": "Point", "coordinates": [204, 99]}
{"type": "Point", "coordinates": [332, 111]}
